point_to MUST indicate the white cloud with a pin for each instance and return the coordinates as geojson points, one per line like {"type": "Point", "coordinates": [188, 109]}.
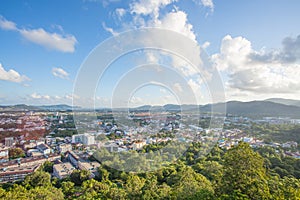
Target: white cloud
{"type": "Point", "coordinates": [176, 21]}
{"type": "Point", "coordinates": [69, 96]}
{"type": "Point", "coordinates": [289, 53]}
{"type": "Point", "coordinates": [136, 101]}
{"type": "Point", "coordinates": [38, 96]}
{"type": "Point", "coordinates": [208, 3]}
{"type": "Point", "coordinates": [205, 45]}
{"type": "Point", "coordinates": [234, 52]}
{"type": "Point", "coordinates": [49, 99]}
{"type": "Point", "coordinates": [63, 43]}
{"type": "Point", "coordinates": [12, 75]}
{"type": "Point", "coordinates": [7, 25]}
{"type": "Point", "coordinates": [120, 12]}
{"type": "Point", "coordinates": [146, 7]}
{"type": "Point", "coordinates": [195, 85]}
{"type": "Point", "coordinates": [145, 13]}
{"type": "Point", "coordinates": [54, 41]}
{"type": "Point", "coordinates": [61, 73]}
{"type": "Point", "coordinates": [205, 3]}
{"type": "Point", "coordinates": [177, 88]}
{"type": "Point", "coordinates": [258, 72]}
{"type": "Point", "coordinates": [110, 30]}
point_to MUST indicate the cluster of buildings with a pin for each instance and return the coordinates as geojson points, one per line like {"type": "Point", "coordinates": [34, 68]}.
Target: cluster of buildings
{"type": "Point", "coordinates": [77, 148]}
{"type": "Point", "coordinates": [74, 161]}
{"type": "Point", "coordinates": [18, 169]}
{"type": "Point", "coordinates": [38, 149]}
{"type": "Point", "coordinates": [21, 123]}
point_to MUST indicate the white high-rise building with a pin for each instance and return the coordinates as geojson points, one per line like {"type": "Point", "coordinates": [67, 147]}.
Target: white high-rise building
{"type": "Point", "coordinates": [85, 139]}
{"type": "Point", "coordinates": [88, 139]}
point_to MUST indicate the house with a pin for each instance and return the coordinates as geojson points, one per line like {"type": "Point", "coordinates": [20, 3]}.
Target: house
{"type": "Point", "coordinates": [85, 139]}
{"type": "Point", "coordinates": [112, 147]}
{"type": "Point", "coordinates": [4, 154]}
{"type": "Point", "coordinates": [63, 148]}
{"type": "Point", "coordinates": [17, 169]}
{"type": "Point", "coordinates": [89, 166]}
{"type": "Point", "coordinates": [9, 141]}
{"type": "Point", "coordinates": [45, 149]}
{"type": "Point", "coordinates": [73, 158]}
{"type": "Point", "coordinates": [138, 145]}
{"type": "Point", "coordinates": [62, 170]}
{"type": "Point", "coordinates": [16, 173]}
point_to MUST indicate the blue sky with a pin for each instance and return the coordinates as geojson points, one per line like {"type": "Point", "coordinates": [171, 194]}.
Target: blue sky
{"type": "Point", "coordinates": [254, 44]}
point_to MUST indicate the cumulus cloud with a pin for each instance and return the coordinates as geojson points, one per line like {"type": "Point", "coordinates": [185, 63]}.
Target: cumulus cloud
{"type": "Point", "coordinates": [146, 7]}
{"type": "Point", "coordinates": [205, 3]}
{"type": "Point", "coordinates": [54, 41]}
{"type": "Point", "coordinates": [38, 96]}
{"type": "Point", "coordinates": [208, 3]}
{"type": "Point", "coordinates": [289, 53]}
{"type": "Point", "coordinates": [12, 75]}
{"type": "Point", "coordinates": [205, 45]}
{"type": "Point", "coordinates": [50, 99]}
{"type": "Point", "coordinates": [120, 12]}
{"type": "Point", "coordinates": [7, 25]}
{"type": "Point", "coordinates": [136, 101]}
{"type": "Point", "coordinates": [48, 40]}
{"type": "Point", "coordinates": [176, 21]}
{"type": "Point", "coordinates": [144, 13]}
{"type": "Point", "coordinates": [59, 72]}
{"type": "Point", "coordinates": [110, 30]}
{"type": "Point", "coordinates": [177, 88]}
{"type": "Point", "coordinates": [274, 72]}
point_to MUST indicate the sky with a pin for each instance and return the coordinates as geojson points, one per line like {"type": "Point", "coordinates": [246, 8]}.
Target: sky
{"type": "Point", "coordinates": [254, 46]}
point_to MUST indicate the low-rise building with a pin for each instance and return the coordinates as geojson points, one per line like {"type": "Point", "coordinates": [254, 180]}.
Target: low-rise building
{"type": "Point", "coordinates": [138, 145]}
{"type": "Point", "coordinates": [9, 141]}
{"type": "Point", "coordinates": [4, 154]}
{"type": "Point", "coordinates": [73, 158]}
{"type": "Point", "coordinates": [62, 170]}
{"type": "Point", "coordinates": [17, 169]}
{"type": "Point", "coordinates": [86, 139]}
{"type": "Point", "coordinates": [63, 148]}
{"type": "Point", "coordinates": [16, 173]}
{"type": "Point", "coordinates": [89, 166]}
{"type": "Point", "coordinates": [29, 161]}
{"type": "Point", "coordinates": [45, 149]}
{"type": "Point", "coordinates": [29, 145]}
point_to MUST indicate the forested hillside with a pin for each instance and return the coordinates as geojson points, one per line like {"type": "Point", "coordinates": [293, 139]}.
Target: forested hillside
{"type": "Point", "coordinates": [239, 173]}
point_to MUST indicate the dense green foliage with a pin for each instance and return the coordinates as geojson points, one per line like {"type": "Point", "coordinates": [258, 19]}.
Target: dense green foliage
{"type": "Point", "coordinates": [16, 153]}
{"type": "Point", "coordinates": [239, 173]}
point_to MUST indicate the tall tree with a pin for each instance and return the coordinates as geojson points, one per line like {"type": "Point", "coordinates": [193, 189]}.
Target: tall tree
{"type": "Point", "coordinates": [79, 176]}
{"type": "Point", "coordinates": [244, 173]}
{"type": "Point", "coordinates": [187, 184]}
{"type": "Point", "coordinates": [38, 178]}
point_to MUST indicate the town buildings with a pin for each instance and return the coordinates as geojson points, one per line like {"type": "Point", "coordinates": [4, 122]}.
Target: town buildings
{"type": "Point", "coordinates": [85, 139]}
{"type": "Point", "coordinates": [62, 170]}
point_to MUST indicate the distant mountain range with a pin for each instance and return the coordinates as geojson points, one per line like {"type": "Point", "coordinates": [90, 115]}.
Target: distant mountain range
{"type": "Point", "coordinates": [256, 108]}
{"type": "Point", "coordinates": [289, 102]}
{"type": "Point", "coordinates": [268, 107]}
{"type": "Point", "coordinates": [24, 107]}
{"type": "Point", "coordinates": [290, 108]}
{"type": "Point", "coordinates": [58, 107]}
{"type": "Point", "coordinates": [19, 107]}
